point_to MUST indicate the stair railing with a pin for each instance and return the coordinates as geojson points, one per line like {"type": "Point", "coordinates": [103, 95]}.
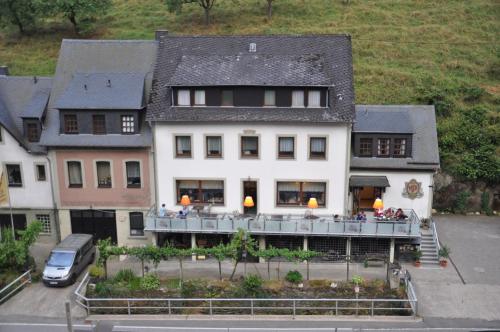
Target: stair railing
{"type": "Point", "coordinates": [435, 237]}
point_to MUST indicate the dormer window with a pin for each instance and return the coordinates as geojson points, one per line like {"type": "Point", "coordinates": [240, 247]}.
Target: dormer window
{"type": "Point", "coordinates": [227, 98]}
{"type": "Point", "coordinates": [183, 98]}
{"type": "Point", "coordinates": [128, 126]}
{"type": "Point", "coordinates": [399, 147]}
{"type": "Point", "coordinates": [199, 97]}
{"type": "Point", "coordinates": [298, 98]}
{"type": "Point", "coordinates": [70, 124]}
{"type": "Point", "coordinates": [270, 98]}
{"type": "Point", "coordinates": [314, 98]}
{"type": "Point", "coordinates": [32, 132]}
{"type": "Point", "coordinates": [383, 147]}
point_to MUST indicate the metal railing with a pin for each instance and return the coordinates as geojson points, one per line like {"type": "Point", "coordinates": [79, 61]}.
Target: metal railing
{"type": "Point", "coordinates": [246, 306]}
{"type": "Point", "coordinates": [412, 296]}
{"type": "Point", "coordinates": [285, 224]}
{"type": "Point", "coordinates": [14, 286]}
{"type": "Point", "coordinates": [435, 237]}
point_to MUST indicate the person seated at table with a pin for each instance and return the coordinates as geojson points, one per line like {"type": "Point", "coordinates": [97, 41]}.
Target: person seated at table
{"type": "Point", "coordinates": [378, 213]}
{"type": "Point", "coordinates": [389, 213]}
{"type": "Point", "coordinates": [361, 216]}
{"type": "Point", "coordinates": [183, 213]}
{"type": "Point", "coordinates": [400, 215]}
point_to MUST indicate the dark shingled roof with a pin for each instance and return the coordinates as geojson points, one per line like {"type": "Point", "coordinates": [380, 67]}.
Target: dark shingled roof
{"type": "Point", "coordinates": [316, 60]}
{"type": "Point", "coordinates": [421, 121]}
{"type": "Point", "coordinates": [103, 91]}
{"type": "Point", "coordinates": [23, 97]}
{"type": "Point", "coordinates": [368, 181]}
{"type": "Point", "coordinates": [381, 121]}
{"type": "Point", "coordinates": [127, 62]}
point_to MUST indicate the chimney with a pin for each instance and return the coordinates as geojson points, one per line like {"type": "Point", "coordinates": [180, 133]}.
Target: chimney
{"type": "Point", "coordinates": [159, 34]}
{"type": "Point", "coordinates": [35, 79]}
{"type": "Point", "coordinates": [4, 70]}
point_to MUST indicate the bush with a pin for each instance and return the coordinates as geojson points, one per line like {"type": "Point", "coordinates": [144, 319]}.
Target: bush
{"type": "Point", "coordinates": [103, 289]}
{"type": "Point", "coordinates": [357, 280]}
{"type": "Point", "coordinates": [485, 203]}
{"type": "Point", "coordinates": [126, 275]}
{"type": "Point", "coordinates": [460, 203]}
{"type": "Point", "coordinates": [150, 282]}
{"type": "Point", "coordinates": [294, 277]}
{"type": "Point", "coordinates": [188, 289]}
{"type": "Point", "coordinates": [252, 284]}
{"type": "Point", "coordinates": [96, 272]}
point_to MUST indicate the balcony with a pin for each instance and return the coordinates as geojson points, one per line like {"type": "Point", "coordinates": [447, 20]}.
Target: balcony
{"type": "Point", "coordinates": [277, 224]}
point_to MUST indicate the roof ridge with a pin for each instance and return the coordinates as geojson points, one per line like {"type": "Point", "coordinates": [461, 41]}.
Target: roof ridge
{"type": "Point", "coordinates": [108, 41]}
{"type": "Point", "coordinates": [316, 35]}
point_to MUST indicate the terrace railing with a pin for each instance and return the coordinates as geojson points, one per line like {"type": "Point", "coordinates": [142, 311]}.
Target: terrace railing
{"type": "Point", "coordinates": [285, 224]}
{"type": "Point", "coordinates": [245, 306]}
{"type": "Point", "coordinates": [14, 286]}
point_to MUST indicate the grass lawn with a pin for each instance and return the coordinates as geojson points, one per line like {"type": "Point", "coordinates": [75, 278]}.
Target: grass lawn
{"type": "Point", "coordinates": [7, 277]}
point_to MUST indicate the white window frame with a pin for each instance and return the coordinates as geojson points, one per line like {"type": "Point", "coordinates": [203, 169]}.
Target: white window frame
{"type": "Point", "coordinates": [318, 95]}
{"type": "Point", "coordinates": [127, 119]}
{"type": "Point", "coordinates": [66, 172]}
{"type": "Point", "coordinates": [125, 178]}
{"type": "Point", "coordinates": [294, 96]}
{"type": "Point", "coordinates": [20, 171]}
{"type": "Point", "coordinates": [36, 171]}
{"type": "Point", "coordinates": [46, 222]}
{"type": "Point", "coordinates": [199, 97]}
{"type": "Point", "coordinates": [266, 103]}
{"type": "Point", "coordinates": [96, 179]}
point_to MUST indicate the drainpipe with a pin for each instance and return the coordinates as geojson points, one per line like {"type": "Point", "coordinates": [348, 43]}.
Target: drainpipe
{"type": "Point", "coordinates": [54, 207]}
{"type": "Point", "coordinates": [155, 174]}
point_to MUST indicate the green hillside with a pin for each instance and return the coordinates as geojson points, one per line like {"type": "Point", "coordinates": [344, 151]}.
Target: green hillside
{"type": "Point", "coordinates": [405, 51]}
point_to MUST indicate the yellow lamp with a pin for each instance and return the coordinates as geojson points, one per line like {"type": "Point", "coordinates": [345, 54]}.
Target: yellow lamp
{"type": "Point", "coordinates": [378, 205]}
{"type": "Point", "coordinates": [185, 201]}
{"type": "Point", "coordinates": [248, 202]}
{"type": "Point", "coordinates": [313, 203]}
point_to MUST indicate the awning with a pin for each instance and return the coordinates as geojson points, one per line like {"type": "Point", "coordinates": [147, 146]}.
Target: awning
{"type": "Point", "coordinates": [368, 181]}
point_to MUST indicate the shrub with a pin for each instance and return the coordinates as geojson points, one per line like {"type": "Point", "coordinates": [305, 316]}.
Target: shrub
{"type": "Point", "coordinates": [472, 93]}
{"type": "Point", "coordinates": [126, 275]}
{"type": "Point", "coordinates": [294, 277]}
{"type": "Point", "coordinates": [96, 272]}
{"type": "Point", "coordinates": [357, 280]}
{"type": "Point", "coordinates": [460, 203]}
{"type": "Point", "coordinates": [485, 203]}
{"type": "Point", "coordinates": [188, 289]}
{"type": "Point", "coordinates": [150, 282]}
{"type": "Point", "coordinates": [320, 283]}
{"type": "Point", "coordinates": [252, 284]}
{"type": "Point", "coordinates": [103, 289]}
{"type": "Point", "coordinates": [444, 252]}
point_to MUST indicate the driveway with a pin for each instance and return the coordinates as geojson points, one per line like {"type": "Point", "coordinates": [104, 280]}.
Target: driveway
{"type": "Point", "coordinates": [472, 289]}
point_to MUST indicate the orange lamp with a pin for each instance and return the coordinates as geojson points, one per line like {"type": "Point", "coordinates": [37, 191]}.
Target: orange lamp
{"type": "Point", "coordinates": [313, 203]}
{"type": "Point", "coordinates": [248, 202]}
{"type": "Point", "coordinates": [185, 201]}
{"type": "Point", "coordinates": [378, 205]}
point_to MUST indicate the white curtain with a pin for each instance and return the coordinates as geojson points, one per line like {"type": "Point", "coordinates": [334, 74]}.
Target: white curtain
{"type": "Point", "coordinates": [288, 186]}
{"type": "Point", "coordinates": [318, 145]}
{"type": "Point", "coordinates": [298, 98]}
{"type": "Point", "coordinates": [183, 98]}
{"type": "Point", "coordinates": [187, 184]}
{"type": "Point", "coordinates": [286, 144]}
{"type": "Point", "coordinates": [212, 184]}
{"type": "Point", "coordinates": [270, 98]}
{"type": "Point", "coordinates": [314, 97]}
{"type": "Point", "coordinates": [214, 144]}
{"type": "Point", "coordinates": [183, 144]}
{"type": "Point", "coordinates": [103, 172]}
{"type": "Point", "coordinates": [199, 97]}
{"type": "Point", "coordinates": [133, 169]}
{"type": "Point", "coordinates": [75, 172]}
{"type": "Point", "coordinates": [314, 187]}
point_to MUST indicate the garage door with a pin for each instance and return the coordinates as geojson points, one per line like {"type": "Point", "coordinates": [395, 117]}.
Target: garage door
{"type": "Point", "coordinates": [100, 223]}
{"type": "Point", "coordinates": [19, 222]}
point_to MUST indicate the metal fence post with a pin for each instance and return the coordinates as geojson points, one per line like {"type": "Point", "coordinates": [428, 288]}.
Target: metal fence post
{"type": "Point", "coordinates": [294, 309]}
{"type": "Point", "coordinates": [336, 307]}
{"type": "Point", "coordinates": [169, 308]}
{"type": "Point", "coordinates": [128, 306]}
{"type": "Point", "coordinates": [251, 307]}
{"type": "Point", "coordinates": [210, 304]}
{"type": "Point", "coordinates": [372, 307]}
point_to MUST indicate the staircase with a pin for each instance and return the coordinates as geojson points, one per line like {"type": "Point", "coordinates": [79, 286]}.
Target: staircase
{"type": "Point", "coordinates": [429, 250]}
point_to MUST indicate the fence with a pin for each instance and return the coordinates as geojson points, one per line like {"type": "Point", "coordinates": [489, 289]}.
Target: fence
{"type": "Point", "coordinates": [14, 286]}
{"type": "Point", "coordinates": [435, 236]}
{"type": "Point", "coordinates": [247, 306]}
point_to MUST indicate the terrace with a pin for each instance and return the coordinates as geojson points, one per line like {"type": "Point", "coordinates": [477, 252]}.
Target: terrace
{"type": "Point", "coordinates": [289, 224]}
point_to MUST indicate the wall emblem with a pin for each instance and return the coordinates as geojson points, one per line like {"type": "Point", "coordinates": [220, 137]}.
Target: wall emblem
{"type": "Point", "coordinates": [413, 189]}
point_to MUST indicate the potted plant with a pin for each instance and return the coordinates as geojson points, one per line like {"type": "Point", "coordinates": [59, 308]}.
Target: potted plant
{"type": "Point", "coordinates": [417, 254]}
{"type": "Point", "coordinates": [444, 254]}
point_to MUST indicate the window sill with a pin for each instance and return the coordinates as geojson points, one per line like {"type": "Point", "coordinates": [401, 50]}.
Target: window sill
{"type": "Point", "coordinates": [134, 186]}
{"type": "Point", "coordinates": [15, 185]}
{"type": "Point", "coordinates": [73, 186]}
{"type": "Point", "coordinates": [137, 237]}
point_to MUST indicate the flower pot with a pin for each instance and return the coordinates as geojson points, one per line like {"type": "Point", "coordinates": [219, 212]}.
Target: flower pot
{"type": "Point", "coordinates": [417, 264]}
{"type": "Point", "coordinates": [443, 263]}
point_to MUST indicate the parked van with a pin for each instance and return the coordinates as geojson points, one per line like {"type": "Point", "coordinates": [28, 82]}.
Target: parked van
{"type": "Point", "coordinates": [68, 259]}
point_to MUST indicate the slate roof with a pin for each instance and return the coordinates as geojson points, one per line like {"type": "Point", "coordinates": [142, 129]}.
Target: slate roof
{"type": "Point", "coordinates": [320, 60]}
{"type": "Point", "coordinates": [368, 181]}
{"type": "Point", "coordinates": [103, 91]}
{"type": "Point", "coordinates": [23, 97]}
{"type": "Point", "coordinates": [99, 58]}
{"type": "Point", "coordinates": [382, 121]}
{"type": "Point", "coordinates": [421, 121]}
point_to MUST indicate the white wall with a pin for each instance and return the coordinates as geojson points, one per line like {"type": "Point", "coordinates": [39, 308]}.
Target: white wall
{"type": "Point", "coordinates": [393, 196]}
{"type": "Point", "coordinates": [266, 170]}
{"type": "Point", "coordinates": [33, 194]}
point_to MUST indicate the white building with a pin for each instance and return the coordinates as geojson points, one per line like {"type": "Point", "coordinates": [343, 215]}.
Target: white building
{"type": "Point", "coordinates": [23, 102]}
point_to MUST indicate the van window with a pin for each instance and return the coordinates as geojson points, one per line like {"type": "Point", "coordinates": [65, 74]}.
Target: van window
{"type": "Point", "coordinates": [60, 259]}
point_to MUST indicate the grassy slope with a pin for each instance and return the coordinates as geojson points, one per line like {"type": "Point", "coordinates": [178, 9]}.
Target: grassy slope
{"type": "Point", "coordinates": [385, 73]}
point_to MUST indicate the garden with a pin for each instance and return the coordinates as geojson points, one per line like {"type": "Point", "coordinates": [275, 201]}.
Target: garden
{"type": "Point", "coordinates": [295, 293]}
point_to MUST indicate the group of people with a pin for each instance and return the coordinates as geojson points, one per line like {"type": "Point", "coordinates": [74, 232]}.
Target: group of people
{"type": "Point", "coordinates": [384, 214]}
{"type": "Point", "coordinates": [181, 214]}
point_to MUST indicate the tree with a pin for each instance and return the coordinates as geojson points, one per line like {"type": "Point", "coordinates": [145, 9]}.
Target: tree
{"type": "Point", "coordinates": [269, 9]}
{"type": "Point", "coordinates": [220, 253]}
{"type": "Point", "coordinates": [305, 255]}
{"type": "Point", "coordinates": [21, 13]}
{"type": "Point", "coordinates": [175, 6]}
{"type": "Point", "coordinates": [14, 254]}
{"type": "Point", "coordinates": [268, 254]}
{"type": "Point", "coordinates": [241, 243]}
{"type": "Point", "coordinates": [81, 12]}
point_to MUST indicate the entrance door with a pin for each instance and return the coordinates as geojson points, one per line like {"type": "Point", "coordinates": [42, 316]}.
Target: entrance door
{"type": "Point", "coordinates": [367, 196]}
{"type": "Point", "coordinates": [250, 189]}
{"type": "Point", "coordinates": [99, 223]}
